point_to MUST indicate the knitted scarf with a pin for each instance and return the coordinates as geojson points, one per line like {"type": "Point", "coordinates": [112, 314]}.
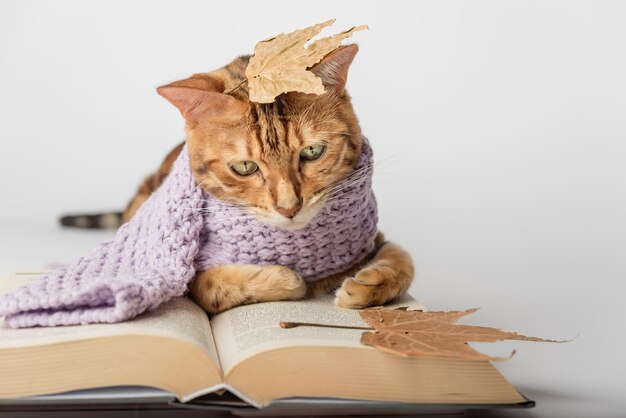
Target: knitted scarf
{"type": "Point", "coordinates": [181, 229]}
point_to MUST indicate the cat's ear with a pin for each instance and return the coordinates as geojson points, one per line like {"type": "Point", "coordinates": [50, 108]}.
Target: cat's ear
{"type": "Point", "coordinates": [200, 96]}
{"type": "Point", "coordinates": [333, 68]}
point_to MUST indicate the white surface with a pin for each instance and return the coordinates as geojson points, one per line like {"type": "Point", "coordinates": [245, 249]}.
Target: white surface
{"type": "Point", "coordinates": [499, 127]}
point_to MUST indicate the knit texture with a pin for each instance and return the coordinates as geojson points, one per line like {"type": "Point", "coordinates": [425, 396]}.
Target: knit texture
{"type": "Point", "coordinates": [181, 229]}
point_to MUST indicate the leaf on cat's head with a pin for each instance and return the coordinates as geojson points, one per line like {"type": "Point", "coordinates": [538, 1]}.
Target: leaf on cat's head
{"type": "Point", "coordinates": [436, 334]}
{"type": "Point", "coordinates": [280, 63]}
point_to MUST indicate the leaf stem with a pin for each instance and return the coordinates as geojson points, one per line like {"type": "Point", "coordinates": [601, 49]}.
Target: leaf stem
{"type": "Point", "coordinates": [284, 324]}
{"type": "Point", "coordinates": [236, 87]}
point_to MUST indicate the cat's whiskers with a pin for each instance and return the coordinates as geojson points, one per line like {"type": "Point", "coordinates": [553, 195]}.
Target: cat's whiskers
{"type": "Point", "coordinates": [337, 189]}
{"type": "Point", "coordinates": [333, 197]}
{"type": "Point", "coordinates": [323, 121]}
{"type": "Point", "coordinates": [307, 110]}
{"type": "Point", "coordinates": [221, 208]}
{"type": "Point", "coordinates": [215, 179]}
{"type": "Point", "coordinates": [316, 197]}
{"type": "Point", "coordinates": [361, 173]}
{"type": "Point", "coordinates": [215, 204]}
{"type": "Point", "coordinates": [336, 193]}
{"type": "Point", "coordinates": [331, 193]}
{"type": "Point", "coordinates": [199, 184]}
{"type": "Point", "coordinates": [327, 114]}
{"type": "Point", "coordinates": [347, 188]}
{"type": "Point", "coordinates": [334, 133]}
{"type": "Point", "coordinates": [226, 217]}
{"type": "Point", "coordinates": [237, 218]}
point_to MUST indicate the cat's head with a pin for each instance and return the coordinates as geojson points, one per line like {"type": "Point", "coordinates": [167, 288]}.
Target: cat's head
{"type": "Point", "coordinates": [280, 160]}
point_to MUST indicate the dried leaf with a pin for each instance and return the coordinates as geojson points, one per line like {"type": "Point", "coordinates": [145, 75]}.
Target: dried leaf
{"type": "Point", "coordinates": [280, 63]}
{"type": "Point", "coordinates": [416, 333]}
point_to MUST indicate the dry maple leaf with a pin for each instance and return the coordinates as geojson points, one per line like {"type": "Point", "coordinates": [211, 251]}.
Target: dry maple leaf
{"type": "Point", "coordinates": [416, 333]}
{"type": "Point", "coordinates": [280, 63]}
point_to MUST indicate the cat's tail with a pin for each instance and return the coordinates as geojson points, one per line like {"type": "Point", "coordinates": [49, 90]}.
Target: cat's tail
{"type": "Point", "coordinates": [109, 220]}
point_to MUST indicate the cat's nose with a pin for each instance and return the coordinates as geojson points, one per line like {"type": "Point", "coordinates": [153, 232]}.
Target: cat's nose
{"type": "Point", "coordinates": [290, 212]}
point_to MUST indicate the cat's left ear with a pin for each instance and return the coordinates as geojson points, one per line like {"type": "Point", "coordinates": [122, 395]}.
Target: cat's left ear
{"type": "Point", "coordinates": [333, 68]}
{"type": "Point", "coordinates": [200, 96]}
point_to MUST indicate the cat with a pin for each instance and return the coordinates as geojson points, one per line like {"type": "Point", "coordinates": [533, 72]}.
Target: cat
{"type": "Point", "coordinates": [278, 160]}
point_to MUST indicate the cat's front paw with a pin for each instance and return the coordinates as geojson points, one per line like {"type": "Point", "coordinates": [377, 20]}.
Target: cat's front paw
{"type": "Point", "coordinates": [226, 286]}
{"type": "Point", "coordinates": [277, 283]}
{"type": "Point", "coordinates": [369, 287]}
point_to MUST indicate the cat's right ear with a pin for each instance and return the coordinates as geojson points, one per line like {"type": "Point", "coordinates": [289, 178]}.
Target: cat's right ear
{"type": "Point", "coordinates": [200, 96]}
{"type": "Point", "coordinates": [333, 68]}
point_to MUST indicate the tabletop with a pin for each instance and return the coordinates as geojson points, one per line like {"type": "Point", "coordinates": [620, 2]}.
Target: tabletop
{"type": "Point", "coordinates": [582, 377]}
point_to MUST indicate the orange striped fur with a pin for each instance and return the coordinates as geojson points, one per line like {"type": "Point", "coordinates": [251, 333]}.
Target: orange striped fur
{"type": "Point", "coordinates": [224, 129]}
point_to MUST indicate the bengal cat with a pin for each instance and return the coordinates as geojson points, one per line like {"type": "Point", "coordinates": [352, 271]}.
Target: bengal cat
{"type": "Point", "coordinates": [301, 144]}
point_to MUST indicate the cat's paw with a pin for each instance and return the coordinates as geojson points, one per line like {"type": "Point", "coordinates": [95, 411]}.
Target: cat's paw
{"type": "Point", "coordinates": [226, 286]}
{"type": "Point", "coordinates": [387, 276]}
{"type": "Point", "coordinates": [277, 283]}
{"type": "Point", "coordinates": [369, 287]}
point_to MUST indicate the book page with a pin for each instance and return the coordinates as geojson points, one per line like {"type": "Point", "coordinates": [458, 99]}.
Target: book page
{"type": "Point", "coordinates": [179, 318]}
{"type": "Point", "coordinates": [244, 331]}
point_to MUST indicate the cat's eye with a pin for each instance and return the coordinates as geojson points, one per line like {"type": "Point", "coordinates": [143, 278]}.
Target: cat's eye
{"type": "Point", "coordinates": [312, 152]}
{"type": "Point", "coordinates": [245, 168]}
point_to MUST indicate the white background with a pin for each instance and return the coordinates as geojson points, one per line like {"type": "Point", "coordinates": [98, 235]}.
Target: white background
{"type": "Point", "coordinates": [498, 128]}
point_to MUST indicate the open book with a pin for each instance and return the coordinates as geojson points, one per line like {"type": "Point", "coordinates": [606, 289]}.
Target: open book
{"type": "Point", "coordinates": [177, 348]}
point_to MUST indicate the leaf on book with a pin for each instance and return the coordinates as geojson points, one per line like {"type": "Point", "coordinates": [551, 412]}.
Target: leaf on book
{"type": "Point", "coordinates": [415, 333]}
{"type": "Point", "coordinates": [280, 63]}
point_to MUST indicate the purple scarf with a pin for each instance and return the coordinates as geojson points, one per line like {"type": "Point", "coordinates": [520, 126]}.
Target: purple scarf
{"type": "Point", "coordinates": [181, 229]}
